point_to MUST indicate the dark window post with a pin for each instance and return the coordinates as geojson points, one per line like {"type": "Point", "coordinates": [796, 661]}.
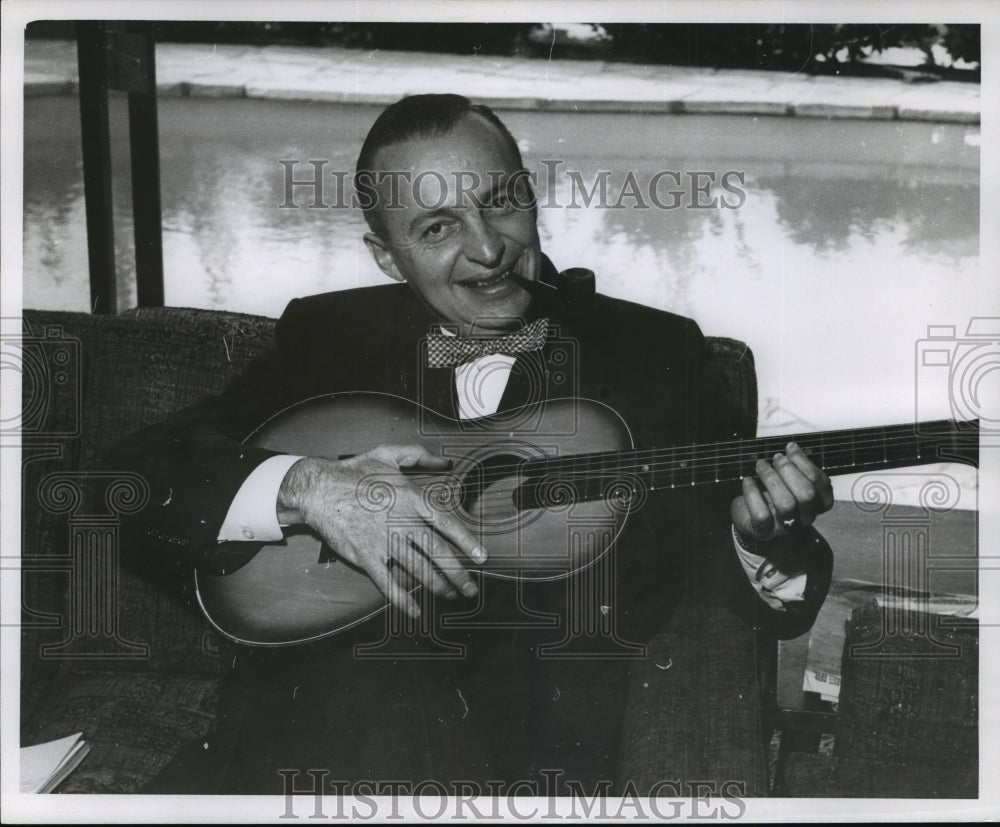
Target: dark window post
{"type": "Point", "coordinates": [91, 54]}
{"type": "Point", "coordinates": [137, 50]}
{"type": "Point", "coordinates": [123, 58]}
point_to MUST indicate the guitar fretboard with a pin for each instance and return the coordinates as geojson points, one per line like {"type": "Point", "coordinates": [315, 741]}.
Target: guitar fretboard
{"type": "Point", "coordinates": [614, 473]}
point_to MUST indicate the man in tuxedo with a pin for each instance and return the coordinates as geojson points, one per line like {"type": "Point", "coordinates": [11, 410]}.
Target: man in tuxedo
{"type": "Point", "coordinates": [476, 324]}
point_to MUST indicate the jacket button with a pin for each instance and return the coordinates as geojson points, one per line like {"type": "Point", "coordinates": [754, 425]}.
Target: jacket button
{"type": "Point", "coordinates": [248, 533]}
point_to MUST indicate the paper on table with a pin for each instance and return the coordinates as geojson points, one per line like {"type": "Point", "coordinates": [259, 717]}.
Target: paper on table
{"type": "Point", "coordinates": [825, 685]}
{"type": "Point", "coordinates": [826, 645]}
{"type": "Point", "coordinates": [45, 766]}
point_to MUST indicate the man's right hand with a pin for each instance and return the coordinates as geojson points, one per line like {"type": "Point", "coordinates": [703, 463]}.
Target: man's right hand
{"type": "Point", "coordinates": [329, 496]}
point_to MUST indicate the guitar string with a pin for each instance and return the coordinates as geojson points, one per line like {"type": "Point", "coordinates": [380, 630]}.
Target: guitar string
{"type": "Point", "coordinates": [620, 460]}
{"type": "Point", "coordinates": [581, 472]}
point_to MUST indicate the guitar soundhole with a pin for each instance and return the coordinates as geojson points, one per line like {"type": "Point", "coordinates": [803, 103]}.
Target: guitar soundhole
{"type": "Point", "coordinates": [488, 489]}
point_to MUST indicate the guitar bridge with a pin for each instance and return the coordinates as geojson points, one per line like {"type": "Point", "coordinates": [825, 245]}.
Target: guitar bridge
{"type": "Point", "coordinates": [326, 554]}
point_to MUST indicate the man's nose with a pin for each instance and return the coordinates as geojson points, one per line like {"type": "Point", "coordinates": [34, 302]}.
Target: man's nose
{"type": "Point", "coordinates": [483, 244]}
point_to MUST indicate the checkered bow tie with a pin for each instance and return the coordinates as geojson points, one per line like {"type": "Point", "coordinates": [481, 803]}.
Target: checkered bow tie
{"type": "Point", "coordinates": [451, 351]}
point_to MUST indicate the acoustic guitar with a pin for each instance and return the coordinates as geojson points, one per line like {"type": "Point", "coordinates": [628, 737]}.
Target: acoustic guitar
{"type": "Point", "coordinates": [546, 488]}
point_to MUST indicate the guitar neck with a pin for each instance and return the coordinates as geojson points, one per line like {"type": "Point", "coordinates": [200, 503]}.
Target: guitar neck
{"type": "Point", "coordinates": [836, 452]}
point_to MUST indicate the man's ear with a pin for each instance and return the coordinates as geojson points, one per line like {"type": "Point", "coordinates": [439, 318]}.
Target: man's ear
{"type": "Point", "coordinates": [383, 256]}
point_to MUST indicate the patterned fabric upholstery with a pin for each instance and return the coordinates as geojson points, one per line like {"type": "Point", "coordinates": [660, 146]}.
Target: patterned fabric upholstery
{"type": "Point", "coordinates": [134, 369]}
{"type": "Point", "coordinates": [133, 723]}
{"type": "Point", "coordinates": [908, 723]}
{"type": "Point", "coordinates": [88, 380]}
{"type": "Point", "coordinates": [737, 363]}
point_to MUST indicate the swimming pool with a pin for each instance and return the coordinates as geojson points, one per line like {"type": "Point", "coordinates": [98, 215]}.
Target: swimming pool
{"type": "Point", "coordinates": [851, 238]}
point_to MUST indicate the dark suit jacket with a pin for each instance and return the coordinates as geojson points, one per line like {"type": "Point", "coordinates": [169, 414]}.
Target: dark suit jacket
{"type": "Point", "coordinates": [651, 366]}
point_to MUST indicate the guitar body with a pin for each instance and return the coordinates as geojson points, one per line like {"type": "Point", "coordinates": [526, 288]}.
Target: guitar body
{"type": "Point", "coordinates": [299, 590]}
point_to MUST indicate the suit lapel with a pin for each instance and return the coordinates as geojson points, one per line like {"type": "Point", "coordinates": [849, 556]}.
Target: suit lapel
{"type": "Point", "coordinates": [433, 388]}
{"type": "Point", "coordinates": [437, 391]}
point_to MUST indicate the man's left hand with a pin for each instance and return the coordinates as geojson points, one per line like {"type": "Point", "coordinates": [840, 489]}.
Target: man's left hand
{"type": "Point", "coordinates": [786, 494]}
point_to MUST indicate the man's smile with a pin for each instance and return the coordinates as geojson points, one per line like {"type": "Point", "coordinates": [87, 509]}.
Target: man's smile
{"type": "Point", "coordinates": [486, 283]}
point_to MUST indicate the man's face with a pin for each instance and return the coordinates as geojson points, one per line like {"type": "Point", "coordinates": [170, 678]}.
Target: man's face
{"type": "Point", "coordinates": [455, 228]}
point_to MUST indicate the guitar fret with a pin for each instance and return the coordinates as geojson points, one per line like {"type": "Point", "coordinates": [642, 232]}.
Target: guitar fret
{"type": "Point", "coordinates": [585, 487]}
{"type": "Point", "coordinates": [671, 473]}
{"type": "Point", "coordinates": [899, 446]}
{"type": "Point", "coordinates": [836, 451]}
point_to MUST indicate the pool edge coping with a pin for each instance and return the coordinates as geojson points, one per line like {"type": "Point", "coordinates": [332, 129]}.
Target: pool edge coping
{"type": "Point", "coordinates": [668, 106]}
{"type": "Point", "coordinates": [334, 75]}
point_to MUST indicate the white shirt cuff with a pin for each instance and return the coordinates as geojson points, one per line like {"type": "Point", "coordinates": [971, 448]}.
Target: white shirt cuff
{"type": "Point", "coordinates": [775, 587]}
{"type": "Point", "coordinates": [253, 513]}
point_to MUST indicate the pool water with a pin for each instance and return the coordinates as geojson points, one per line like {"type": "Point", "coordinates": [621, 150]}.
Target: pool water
{"type": "Point", "coordinates": [850, 239]}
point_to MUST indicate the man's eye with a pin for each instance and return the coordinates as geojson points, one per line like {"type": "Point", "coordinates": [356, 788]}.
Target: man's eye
{"type": "Point", "coordinates": [434, 230]}
{"type": "Point", "coordinates": [500, 203]}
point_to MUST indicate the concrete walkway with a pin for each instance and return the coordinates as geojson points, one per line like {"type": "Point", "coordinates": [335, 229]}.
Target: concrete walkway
{"type": "Point", "coordinates": [380, 77]}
